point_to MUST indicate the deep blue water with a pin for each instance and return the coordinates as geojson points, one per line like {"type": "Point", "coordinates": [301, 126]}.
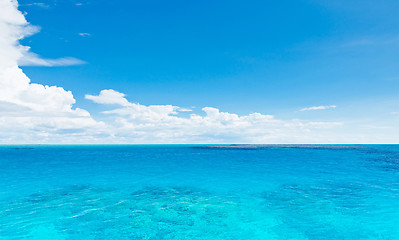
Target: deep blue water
{"type": "Point", "coordinates": [199, 192]}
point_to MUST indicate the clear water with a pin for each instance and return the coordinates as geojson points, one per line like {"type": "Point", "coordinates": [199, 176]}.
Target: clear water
{"type": "Point", "coordinates": [196, 192]}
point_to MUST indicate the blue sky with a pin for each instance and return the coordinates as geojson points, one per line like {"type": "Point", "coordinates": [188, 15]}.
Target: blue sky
{"type": "Point", "coordinates": [267, 56]}
{"type": "Point", "coordinates": [271, 57]}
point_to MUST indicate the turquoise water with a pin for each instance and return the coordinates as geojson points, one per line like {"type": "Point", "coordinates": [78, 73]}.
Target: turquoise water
{"type": "Point", "coordinates": [199, 192]}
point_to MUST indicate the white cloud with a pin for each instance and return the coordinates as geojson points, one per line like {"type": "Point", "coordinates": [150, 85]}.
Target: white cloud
{"type": "Point", "coordinates": [317, 108]}
{"type": "Point", "coordinates": [138, 123]}
{"type": "Point", "coordinates": [184, 110]}
{"type": "Point", "coordinates": [38, 4]}
{"type": "Point", "coordinates": [32, 59]}
{"type": "Point", "coordinates": [84, 34]}
{"type": "Point", "coordinates": [109, 97]}
{"type": "Point", "coordinates": [29, 110]}
{"type": "Point", "coordinates": [13, 27]}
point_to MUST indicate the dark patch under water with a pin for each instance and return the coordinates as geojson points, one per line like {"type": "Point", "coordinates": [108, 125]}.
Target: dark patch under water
{"type": "Point", "coordinates": [268, 146]}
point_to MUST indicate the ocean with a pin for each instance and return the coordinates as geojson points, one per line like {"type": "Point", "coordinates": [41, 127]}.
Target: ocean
{"type": "Point", "coordinates": [199, 192]}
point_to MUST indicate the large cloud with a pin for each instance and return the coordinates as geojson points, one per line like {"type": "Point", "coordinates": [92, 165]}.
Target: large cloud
{"type": "Point", "coordinates": [30, 111]}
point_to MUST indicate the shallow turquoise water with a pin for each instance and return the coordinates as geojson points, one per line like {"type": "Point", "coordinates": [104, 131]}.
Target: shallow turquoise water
{"type": "Point", "coordinates": [197, 192]}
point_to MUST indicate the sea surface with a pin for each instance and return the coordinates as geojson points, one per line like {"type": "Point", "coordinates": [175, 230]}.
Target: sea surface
{"type": "Point", "coordinates": [199, 192]}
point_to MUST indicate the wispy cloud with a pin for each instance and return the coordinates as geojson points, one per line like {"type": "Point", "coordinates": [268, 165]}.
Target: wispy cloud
{"type": "Point", "coordinates": [37, 4]}
{"type": "Point", "coordinates": [32, 59]}
{"type": "Point", "coordinates": [366, 41]}
{"type": "Point", "coordinates": [84, 34]}
{"type": "Point", "coordinates": [317, 108]}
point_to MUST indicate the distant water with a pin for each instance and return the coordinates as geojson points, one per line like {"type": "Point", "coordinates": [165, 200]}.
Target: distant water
{"type": "Point", "coordinates": [200, 192]}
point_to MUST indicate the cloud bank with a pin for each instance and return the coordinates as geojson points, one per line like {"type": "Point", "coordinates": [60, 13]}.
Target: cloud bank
{"type": "Point", "coordinates": [162, 124]}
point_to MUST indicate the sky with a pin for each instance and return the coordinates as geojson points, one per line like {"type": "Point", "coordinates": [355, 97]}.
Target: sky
{"type": "Point", "coordinates": [305, 71]}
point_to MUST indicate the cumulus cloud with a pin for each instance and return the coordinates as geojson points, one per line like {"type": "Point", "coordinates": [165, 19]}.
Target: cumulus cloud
{"type": "Point", "coordinates": [109, 97]}
{"type": "Point", "coordinates": [317, 108]}
{"type": "Point", "coordinates": [163, 124]}
{"type": "Point", "coordinates": [31, 110]}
